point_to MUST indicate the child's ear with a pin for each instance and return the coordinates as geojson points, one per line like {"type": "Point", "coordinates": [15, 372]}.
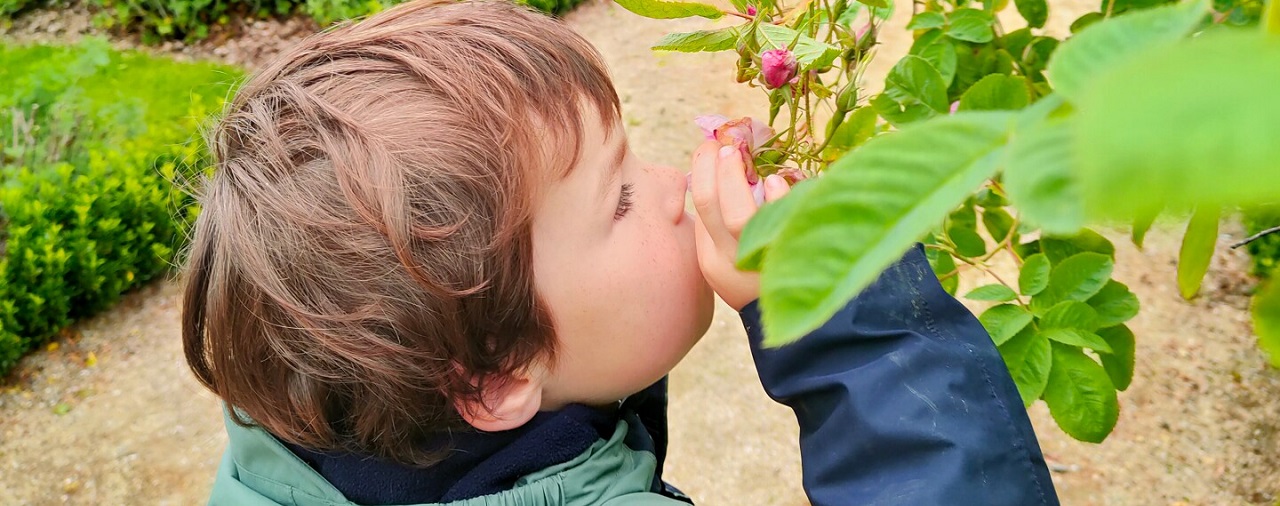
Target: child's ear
{"type": "Point", "coordinates": [505, 405]}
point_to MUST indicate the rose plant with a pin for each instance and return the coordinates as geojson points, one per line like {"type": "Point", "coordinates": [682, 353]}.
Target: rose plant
{"type": "Point", "coordinates": [992, 141]}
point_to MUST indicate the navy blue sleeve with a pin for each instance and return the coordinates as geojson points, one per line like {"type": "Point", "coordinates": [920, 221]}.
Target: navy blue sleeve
{"type": "Point", "coordinates": [902, 398]}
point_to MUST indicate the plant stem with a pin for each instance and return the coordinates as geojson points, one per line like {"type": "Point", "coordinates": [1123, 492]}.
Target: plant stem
{"type": "Point", "coordinates": [1255, 237]}
{"type": "Point", "coordinates": [739, 14]}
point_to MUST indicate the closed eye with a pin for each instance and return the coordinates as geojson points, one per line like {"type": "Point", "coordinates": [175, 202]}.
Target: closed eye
{"type": "Point", "coordinates": [624, 201]}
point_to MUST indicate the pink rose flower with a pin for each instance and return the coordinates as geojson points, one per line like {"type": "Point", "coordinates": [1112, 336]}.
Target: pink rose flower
{"type": "Point", "coordinates": [778, 67]}
{"type": "Point", "coordinates": [747, 135]}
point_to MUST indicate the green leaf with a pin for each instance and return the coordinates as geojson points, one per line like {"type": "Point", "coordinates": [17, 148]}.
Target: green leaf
{"type": "Point", "coordinates": [1004, 321]}
{"type": "Point", "coordinates": [1115, 304]}
{"type": "Point", "coordinates": [881, 9]}
{"type": "Point", "coordinates": [939, 51]}
{"type": "Point", "coordinates": [1226, 150]}
{"type": "Point", "coordinates": [1271, 18]}
{"type": "Point", "coordinates": [914, 79]}
{"type": "Point", "coordinates": [855, 130]}
{"type": "Point", "coordinates": [1059, 248]}
{"type": "Point", "coordinates": [1077, 278]}
{"type": "Point", "coordinates": [1029, 357]}
{"type": "Point", "coordinates": [1034, 276]}
{"type": "Point", "coordinates": [1080, 396]}
{"type": "Point", "coordinates": [723, 39]}
{"type": "Point", "coordinates": [1070, 314]}
{"type": "Point", "coordinates": [659, 9]}
{"type": "Point", "coordinates": [1039, 179]}
{"type": "Point", "coordinates": [1265, 310]}
{"type": "Point", "coordinates": [999, 223]}
{"type": "Point", "coordinates": [1118, 363]}
{"type": "Point", "coordinates": [1085, 21]}
{"type": "Point", "coordinates": [994, 292]}
{"type": "Point", "coordinates": [1077, 337]}
{"type": "Point", "coordinates": [996, 92]}
{"type": "Point", "coordinates": [900, 115]}
{"type": "Point", "coordinates": [970, 25]}
{"type": "Point", "coordinates": [944, 265]}
{"type": "Point", "coordinates": [849, 15]}
{"type": "Point", "coordinates": [1141, 224]}
{"type": "Point", "coordinates": [764, 226]}
{"type": "Point", "coordinates": [1197, 250]}
{"type": "Point", "coordinates": [809, 53]}
{"type": "Point", "coordinates": [1036, 12]}
{"type": "Point", "coordinates": [926, 20]}
{"type": "Point", "coordinates": [1114, 43]}
{"type": "Point", "coordinates": [906, 182]}
{"type": "Point", "coordinates": [962, 230]}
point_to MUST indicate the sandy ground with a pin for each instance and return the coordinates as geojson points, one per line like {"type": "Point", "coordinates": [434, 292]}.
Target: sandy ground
{"type": "Point", "coordinates": [112, 416]}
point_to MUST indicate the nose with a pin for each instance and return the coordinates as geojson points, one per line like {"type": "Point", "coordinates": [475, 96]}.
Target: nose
{"type": "Point", "coordinates": [675, 185]}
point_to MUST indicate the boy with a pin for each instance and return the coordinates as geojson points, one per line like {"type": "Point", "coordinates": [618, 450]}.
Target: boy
{"type": "Point", "coordinates": [428, 271]}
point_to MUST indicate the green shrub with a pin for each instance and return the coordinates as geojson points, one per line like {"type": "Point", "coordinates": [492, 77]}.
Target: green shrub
{"type": "Point", "coordinates": [93, 141]}
{"type": "Point", "coordinates": [1266, 249]}
{"type": "Point", "coordinates": [192, 19]}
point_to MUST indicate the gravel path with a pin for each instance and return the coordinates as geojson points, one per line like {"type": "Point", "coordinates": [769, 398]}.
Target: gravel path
{"type": "Point", "coordinates": [112, 416]}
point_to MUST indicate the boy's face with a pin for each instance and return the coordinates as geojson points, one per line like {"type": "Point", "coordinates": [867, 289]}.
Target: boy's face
{"type": "Point", "coordinates": [614, 259]}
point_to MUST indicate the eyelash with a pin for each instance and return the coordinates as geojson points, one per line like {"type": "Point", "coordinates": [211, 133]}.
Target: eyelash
{"type": "Point", "coordinates": [624, 201]}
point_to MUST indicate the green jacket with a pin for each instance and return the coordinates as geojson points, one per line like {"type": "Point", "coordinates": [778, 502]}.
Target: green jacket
{"type": "Point", "coordinates": [258, 470]}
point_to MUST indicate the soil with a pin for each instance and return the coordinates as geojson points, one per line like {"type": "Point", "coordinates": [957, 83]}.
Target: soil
{"type": "Point", "coordinates": [108, 413]}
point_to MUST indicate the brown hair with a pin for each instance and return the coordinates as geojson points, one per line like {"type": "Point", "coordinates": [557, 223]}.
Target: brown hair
{"type": "Point", "coordinates": [363, 254]}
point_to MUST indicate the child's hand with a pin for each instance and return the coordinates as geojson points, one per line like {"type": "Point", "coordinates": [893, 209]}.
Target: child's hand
{"type": "Point", "coordinates": [723, 200]}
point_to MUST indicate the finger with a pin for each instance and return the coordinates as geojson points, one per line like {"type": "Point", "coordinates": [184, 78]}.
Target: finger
{"type": "Point", "coordinates": [706, 191]}
{"type": "Point", "coordinates": [775, 187]}
{"type": "Point", "coordinates": [737, 204]}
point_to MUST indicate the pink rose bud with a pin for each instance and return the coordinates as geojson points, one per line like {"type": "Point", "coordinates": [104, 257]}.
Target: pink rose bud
{"type": "Point", "coordinates": [751, 10]}
{"type": "Point", "coordinates": [778, 67]}
{"type": "Point", "coordinates": [955, 106]}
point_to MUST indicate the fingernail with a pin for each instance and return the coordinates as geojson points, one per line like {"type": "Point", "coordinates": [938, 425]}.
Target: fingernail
{"type": "Point", "coordinates": [775, 182]}
{"type": "Point", "coordinates": [727, 151]}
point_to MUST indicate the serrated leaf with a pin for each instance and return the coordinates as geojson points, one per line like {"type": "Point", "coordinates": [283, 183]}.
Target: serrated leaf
{"type": "Point", "coordinates": [809, 52]}
{"type": "Point", "coordinates": [855, 130]}
{"type": "Point", "coordinates": [1029, 357]}
{"type": "Point", "coordinates": [994, 293]}
{"type": "Point", "coordinates": [1118, 363]}
{"type": "Point", "coordinates": [659, 9]}
{"type": "Point", "coordinates": [1039, 179]}
{"type": "Point", "coordinates": [939, 51]}
{"type": "Point", "coordinates": [900, 115]}
{"type": "Point", "coordinates": [1077, 278]}
{"type": "Point", "coordinates": [723, 39]}
{"type": "Point", "coordinates": [1070, 314]}
{"type": "Point", "coordinates": [926, 20]}
{"type": "Point", "coordinates": [1004, 321]}
{"type": "Point", "coordinates": [1080, 396]}
{"type": "Point", "coordinates": [1034, 276]}
{"type": "Point", "coordinates": [970, 25]}
{"type": "Point", "coordinates": [914, 79]}
{"type": "Point", "coordinates": [1059, 248]}
{"type": "Point", "coordinates": [964, 235]}
{"type": "Point", "coordinates": [944, 265]}
{"type": "Point", "coordinates": [996, 92]}
{"type": "Point", "coordinates": [765, 225]}
{"type": "Point", "coordinates": [1115, 304]}
{"type": "Point", "coordinates": [1197, 250]}
{"type": "Point", "coordinates": [1114, 42]}
{"type": "Point", "coordinates": [1077, 337]}
{"type": "Point", "coordinates": [906, 182]}
{"type": "Point", "coordinates": [999, 223]}
{"type": "Point", "coordinates": [1036, 12]}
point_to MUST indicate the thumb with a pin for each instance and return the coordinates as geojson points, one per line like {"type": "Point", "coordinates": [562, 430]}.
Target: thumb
{"type": "Point", "coordinates": [775, 187]}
